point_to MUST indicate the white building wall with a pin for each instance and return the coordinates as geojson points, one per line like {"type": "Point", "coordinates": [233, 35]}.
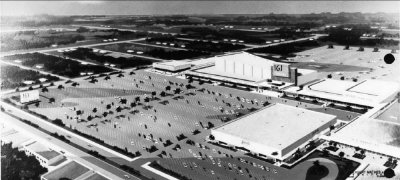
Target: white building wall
{"type": "Point", "coordinates": [230, 65]}
{"type": "Point", "coordinates": [248, 70]}
{"type": "Point", "coordinates": [239, 68]}
{"type": "Point", "coordinates": [252, 146]}
{"type": "Point", "coordinates": [257, 72]}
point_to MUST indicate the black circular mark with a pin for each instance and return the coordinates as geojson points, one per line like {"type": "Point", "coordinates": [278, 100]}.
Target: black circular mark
{"type": "Point", "coordinates": [389, 58]}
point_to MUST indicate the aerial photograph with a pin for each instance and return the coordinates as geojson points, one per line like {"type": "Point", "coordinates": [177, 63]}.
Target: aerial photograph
{"type": "Point", "coordinates": [200, 90]}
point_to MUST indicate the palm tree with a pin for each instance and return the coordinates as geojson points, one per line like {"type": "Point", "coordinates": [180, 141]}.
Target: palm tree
{"type": "Point", "coordinates": [316, 163]}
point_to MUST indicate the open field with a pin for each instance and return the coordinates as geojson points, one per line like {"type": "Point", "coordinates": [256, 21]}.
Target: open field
{"type": "Point", "coordinates": [200, 45]}
{"type": "Point", "coordinates": [13, 76]}
{"type": "Point", "coordinates": [55, 65]}
{"type": "Point", "coordinates": [162, 53]}
{"type": "Point", "coordinates": [116, 59]}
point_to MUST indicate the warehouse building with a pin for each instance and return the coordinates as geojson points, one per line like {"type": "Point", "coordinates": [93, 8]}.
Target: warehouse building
{"type": "Point", "coordinates": [274, 132]}
{"type": "Point", "coordinates": [251, 71]}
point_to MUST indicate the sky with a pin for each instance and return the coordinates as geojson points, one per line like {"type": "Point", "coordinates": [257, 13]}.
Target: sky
{"type": "Point", "coordinates": [191, 7]}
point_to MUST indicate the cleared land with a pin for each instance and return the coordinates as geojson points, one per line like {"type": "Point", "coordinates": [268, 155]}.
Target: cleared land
{"type": "Point", "coordinates": [372, 64]}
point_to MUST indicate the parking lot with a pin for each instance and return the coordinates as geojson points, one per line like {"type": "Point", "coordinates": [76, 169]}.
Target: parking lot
{"type": "Point", "coordinates": [146, 126]}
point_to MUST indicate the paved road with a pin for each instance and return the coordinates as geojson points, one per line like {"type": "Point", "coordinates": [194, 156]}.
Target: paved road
{"type": "Point", "coordinates": [71, 152]}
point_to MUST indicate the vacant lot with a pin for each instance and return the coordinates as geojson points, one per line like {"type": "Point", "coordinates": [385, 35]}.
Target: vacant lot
{"type": "Point", "coordinates": [88, 54]}
{"type": "Point", "coordinates": [372, 64]}
{"type": "Point", "coordinates": [13, 76]}
{"type": "Point", "coordinates": [162, 53]}
{"type": "Point", "coordinates": [55, 65]}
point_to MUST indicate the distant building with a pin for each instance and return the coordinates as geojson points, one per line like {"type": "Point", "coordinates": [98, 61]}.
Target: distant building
{"type": "Point", "coordinates": [172, 66]}
{"type": "Point", "coordinates": [374, 135]}
{"type": "Point", "coordinates": [43, 154]}
{"type": "Point", "coordinates": [274, 132]}
{"type": "Point", "coordinates": [73, 171]}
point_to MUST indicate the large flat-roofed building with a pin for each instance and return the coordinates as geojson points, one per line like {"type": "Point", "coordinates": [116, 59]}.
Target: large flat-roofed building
{"type": "Point", "coordinates": [248, 70]}
{"type": "Point", "coordinates": [275, 131]}
{"type": "Point", "coordinates": [245, 66]}
{"type": "Point", "coordinates": [45, 155]}
{"type": "Point", "coordinates": [375, 135]}
{"type": "Point", "coordinates": [74, 171]}
{"type": "Point", "coordinates": [364, 93]}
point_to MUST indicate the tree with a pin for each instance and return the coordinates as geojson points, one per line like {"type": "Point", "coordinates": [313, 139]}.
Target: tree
{"type": "Point", "coordinates": [58, 122]}
{"type": "Point", "coordinates": [123, 101]}
{"type": "Point", "coordinates": [389, 173]}
{"type": "Point", "coordinates": [137, 98]}
{"type": "Point", "coordinates": [329, 76]}
{"type": "Point", "coordinates": [133, 104]}
{"type": "Point", "coordinates": [342, 78]}
{"type": "Point", "coordinates": [30, 88]}
{"type": "Point", "coordinates": [330, 46]}
{"type": "Point", "coordinates": [162, 94]}
{"type": "Point", "coordinates": [45, 90]}
{"type": "Point", "coordinates": [153, 93]}
{"type": "Point", "coordinates": [118, 109]}
{"type": "Point", "coordinates": [52, 100]}
{"type": "Point", "coordinates": [331, 127]}
{"type": "Point", "coordinates": [94, 110]}
{"type": "Point", "coordinates": [177, 91]}
{"type": "Point", "coordinates": [60, 87]}
{"type": "Point", "coordinates": [168, 88]}
{"type": "Point", "coordinates": [108, 106]}
{"type": "Point", "coordinates": [341, 154]}
{"type": "Point", "coordinates": [316, 163]}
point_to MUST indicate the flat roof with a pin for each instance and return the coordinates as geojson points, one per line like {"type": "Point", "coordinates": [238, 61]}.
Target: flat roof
{"type": "Point", "coordinates": [371, 134]}
{"type": "Point", "coordinates": [70, 170]}
{"type": "Point", "coordinates": [368, 92]}
{"type": "Point", "coordinates": [96, 176]}
{"type": "Point", "coordinates": [245, 58]}
{"type": "Point", "coordinates": [174, 63]}
{"type": "Point", "coordinates": [42, 150]}
{"type": "Point", "coordinates": [265, 126]}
